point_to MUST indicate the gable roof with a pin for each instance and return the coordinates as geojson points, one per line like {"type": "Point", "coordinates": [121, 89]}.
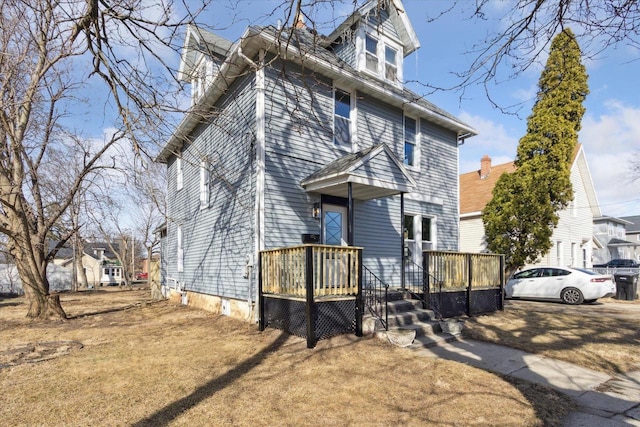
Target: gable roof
{"type": "Point", "coordinates": [200, 41]}
{"type": "Point", "coordinates": [89, 248]}
{"type": "Point", "coordinates": [398, 17]}
{"type": "Point", "coordinates": [476, 192]}
{"type": "Point", "coordinates": [373, 173]}
{"type": "Point", "coordinates": [306, 48]}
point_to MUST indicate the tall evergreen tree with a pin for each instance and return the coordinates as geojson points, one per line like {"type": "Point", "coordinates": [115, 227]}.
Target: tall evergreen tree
{"type": "Point", "coordinates": [520, 219]}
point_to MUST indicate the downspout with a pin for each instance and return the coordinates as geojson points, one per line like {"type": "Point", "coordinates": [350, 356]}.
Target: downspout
{"type": "Point", "coordinates": [258, 225]}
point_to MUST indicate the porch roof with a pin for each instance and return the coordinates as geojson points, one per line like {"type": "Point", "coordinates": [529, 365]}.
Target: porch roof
{"type": "Point", "coordinates": [374, 172]}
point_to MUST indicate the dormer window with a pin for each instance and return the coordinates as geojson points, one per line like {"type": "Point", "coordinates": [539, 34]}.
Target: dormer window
{"type": "Point", "coordinates": [372, 54]}
{"type": "Point", "coordinates": [380, 56]}
{"type": "Point", "coordinates": [390, 64]}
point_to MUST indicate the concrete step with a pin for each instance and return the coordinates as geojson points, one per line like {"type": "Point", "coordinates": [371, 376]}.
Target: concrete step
{"type": "Point", "coordinates": [428, 341]}
{"type": "Point", "coordinates": [410, 317]}
{"type": "Point", "coordinates": [404, 305]}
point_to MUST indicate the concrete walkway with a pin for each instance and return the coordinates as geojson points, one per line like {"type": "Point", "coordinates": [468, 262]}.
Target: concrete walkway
{"type": "Point", "coordinates": [603, 401]}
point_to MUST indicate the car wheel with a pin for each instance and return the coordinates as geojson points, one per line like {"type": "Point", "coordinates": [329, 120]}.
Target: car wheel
{"type": "Point", "coordinates": [572, 296]}
{"type": "Point", "coordinates": [590, 301]}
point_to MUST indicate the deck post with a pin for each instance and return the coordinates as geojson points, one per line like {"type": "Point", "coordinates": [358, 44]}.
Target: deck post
{"type": "Point", "coordinates": [469, 281]}
{"type": "Point", "coordinates": [262, 320]}
{"type": "Point", "coordinates": [359, 297]}
{"type": "Point", "coordinates": [402, 242]}
{"type": "Point", "coordinates": [310, 305]}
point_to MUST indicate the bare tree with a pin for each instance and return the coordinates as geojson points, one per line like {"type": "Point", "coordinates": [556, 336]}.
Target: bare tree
{"type": "Point", "coordinates": [529, 27]}
{"type": "Point", "coordinates": [50, 50]}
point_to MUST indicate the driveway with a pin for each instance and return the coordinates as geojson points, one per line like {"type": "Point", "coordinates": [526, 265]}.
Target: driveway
{"type": "Point", "coordinates": [605, 307]}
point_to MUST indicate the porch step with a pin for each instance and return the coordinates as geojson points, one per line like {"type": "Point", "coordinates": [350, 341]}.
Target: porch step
{"type": "Point", "coordinates": [411, 325]}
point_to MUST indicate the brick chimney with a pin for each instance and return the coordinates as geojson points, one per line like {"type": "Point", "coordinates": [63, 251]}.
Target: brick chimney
{"type": "Point", "coordinates": [299, 24]}
{"type": "Point", "coordinates": [485, 166]}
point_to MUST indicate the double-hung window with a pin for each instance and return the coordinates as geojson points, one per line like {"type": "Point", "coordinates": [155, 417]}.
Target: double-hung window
{"type": "Point", "coordinates": [380, 55]}
{"type": "Point", "coordinates": [410, 136]}
{"type": "Point", "coordinates": [342, 119]}
{"type": "Point", "coordinates": [371, 53]}
{"type": "Point", "coordinates": [390, 64]}
{"type": "Point", "coordinates": [179, 177]}
{"type": "Point", "coordinates": [204, 184]}
{"type": "Point", "coordinates": [180, 254]}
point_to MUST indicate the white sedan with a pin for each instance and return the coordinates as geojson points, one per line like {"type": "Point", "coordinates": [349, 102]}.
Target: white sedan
{"type": "Point", "coordinates": [569, 285]}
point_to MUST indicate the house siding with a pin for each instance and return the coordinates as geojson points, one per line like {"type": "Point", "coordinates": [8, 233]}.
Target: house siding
{"type": "Point", "coordinates": [216, 239]}
{"type": "Point", "coordinates": [299, 140]}
{"type": "Point", "coordinates": [573, 232]}
{"type": "Point", "coordinates": [379, 19]}
{"type": "Point", "coordinates": [298, 148]}
{"type": "Point", "coordinates": [574, 229]}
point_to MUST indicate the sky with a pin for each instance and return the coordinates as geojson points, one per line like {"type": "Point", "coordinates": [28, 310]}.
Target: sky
{"type": "Point", "coordinates": [610, 130]}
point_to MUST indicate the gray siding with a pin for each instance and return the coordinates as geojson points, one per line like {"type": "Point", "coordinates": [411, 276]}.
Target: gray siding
{"type": "Point", "coordinates": [299, 123]}
{"type": "Point", "coordinates": [379, 19]}
{"type": "Point", "coordinates": [381, 167]}
{"type": "Point", "coordinates": [218, 238]}
{"type": "Point", "coordinates": [438, 178]}
{"type": "Point", "coordinates": [346, 50]}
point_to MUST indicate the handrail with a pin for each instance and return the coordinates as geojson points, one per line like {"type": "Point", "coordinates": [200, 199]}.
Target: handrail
{"type": "Point", "coordinates": [422, 285]}
{"type": "Point", "coordinates": [375, 296]}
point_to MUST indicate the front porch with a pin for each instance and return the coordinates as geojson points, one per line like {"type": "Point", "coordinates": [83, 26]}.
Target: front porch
{"type": "Point", "coordinates": [318, 291]}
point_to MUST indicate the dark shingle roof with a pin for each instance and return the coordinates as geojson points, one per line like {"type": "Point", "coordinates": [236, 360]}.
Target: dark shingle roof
{"type": "Point", "coordinates": [634, 227]}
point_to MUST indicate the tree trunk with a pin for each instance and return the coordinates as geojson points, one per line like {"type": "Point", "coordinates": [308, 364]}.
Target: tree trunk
{"type": "Point", "coordinates": [81, 276]}
{"type": "Point", "coordinates": [42, 305]}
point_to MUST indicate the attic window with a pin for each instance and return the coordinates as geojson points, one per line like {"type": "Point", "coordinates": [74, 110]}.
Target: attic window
{"type": "Point", "coordinates": [390, 64]}
{"type": "Point", "coordinates": [372, 54]}
{"type": "Point", "coordinates": [380, 56]}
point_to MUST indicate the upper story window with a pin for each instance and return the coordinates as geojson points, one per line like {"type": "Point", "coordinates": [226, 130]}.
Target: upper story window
{"type": "Point", "coordinates": [390, 64]}
{"type": "Point", "coordinates": [371, 53]}
{"type": "Point", "coordinates": [180, 254]}
{"type": "Point", "coordinates": [179, 178]}
{"type": "Point", "coordinates": [342, 126]}
{"type": "Point", "coordinates": [204, 184]}
{"type": "Point", "coordinates": [380, 56]}
{"type": "Point", "coordinates": [410, 137]}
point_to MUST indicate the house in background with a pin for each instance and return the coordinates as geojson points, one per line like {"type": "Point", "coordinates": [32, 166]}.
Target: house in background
{"type": "Point", "coordinates": [573, 240]}
{"type": "Point", "coordinates": [100, 264]}
{"type": "Point", "coordinates": [614, 239]}
{"type": "Point", "coordinates": [60, 279]}
{"type": "Point", "coordinates": [294, 137]}
{"type": "Point", "coordinates": [632, 233]}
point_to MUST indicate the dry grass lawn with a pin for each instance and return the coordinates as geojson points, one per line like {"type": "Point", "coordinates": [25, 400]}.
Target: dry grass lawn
{"type": "Point", "coordinates": [598, 338]}
{"type": "Point", "coordinates": [123, 359]}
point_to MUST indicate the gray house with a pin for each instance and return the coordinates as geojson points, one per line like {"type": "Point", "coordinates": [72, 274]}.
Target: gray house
{"type": "Point", "coordinates": [294, 138]}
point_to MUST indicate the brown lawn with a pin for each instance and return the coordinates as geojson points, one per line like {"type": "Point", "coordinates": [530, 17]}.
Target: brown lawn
{"type": "Point", "coordinates": [603, 336]}
{"type": "Point", "coordinates": [123, 359]}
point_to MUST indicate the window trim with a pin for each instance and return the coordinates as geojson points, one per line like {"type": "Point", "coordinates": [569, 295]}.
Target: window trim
{"type": "Point", "coordinates": [180, 250]}
{"type": "Point", "coordinates": [416, 143]}
{"type": "Point", "coordinates": [204, 184]}
{"type": "Point", "coordinates": [383, 41]}
{"type": "Point", "coordinates": [179, 173]}
{"type": "Point", "coordinates": [352, 145]}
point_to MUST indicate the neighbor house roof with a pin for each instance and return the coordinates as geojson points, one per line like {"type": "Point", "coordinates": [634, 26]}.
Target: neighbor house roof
{"type": "Point", "coordinates": [476, 191]}
{"type": "Point", "coordinates": [634, 223]}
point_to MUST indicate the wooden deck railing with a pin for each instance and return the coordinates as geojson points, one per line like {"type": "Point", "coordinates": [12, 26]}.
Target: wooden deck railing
{"type": "Point", "coordinates": [455, 270]}
{"type": "Point", "coordinates": [332, 270]}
